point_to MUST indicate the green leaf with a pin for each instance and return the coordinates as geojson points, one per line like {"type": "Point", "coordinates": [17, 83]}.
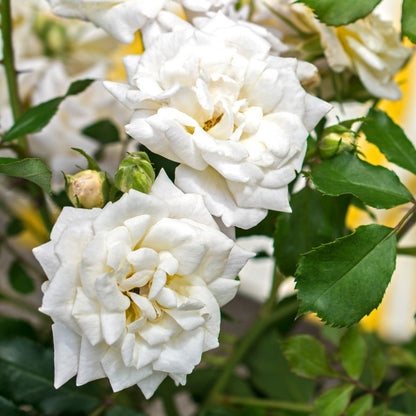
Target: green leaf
{"type": "Point", "coordinates": [270, 373]}
{"type": "Point", "coordinates": [12, 327]}
{"type": "Point", "coordinates": [36, 118]}
{"type": "Point", "coordinates": [349, 123]}
{"type": "Point", "coordinates": [337, 13]}
{"type": "Point", "coordinates": [361, 406]}
{"type": "Point", "coordinates": [398, 387]}
{"type": "Point", "coordinates": [345, 280]}
{"type": "Point", "coordinates": [123, 411]}
{"type": "Point", "coordinates": [380, 410]}
{"type": "Point", "coordinates": [315, 219]}
{"type": "Point", "coordinates": [409, 19]}
{"type": "Point", "coordinates": [334, 401]}
{"type": "Point", "coordinates": [307, 356]}
{"type": "Point", "coordinates": [92, 164]}
{"type": "Point", "coordinates": [8, 408]}
{"type": "Point", "coordinates": [353, 352]}
{"type": "Point", "coordinates": [378, 366]}
{"type": "Point", "coordinates": [103, 131]}
{"type": "Point", "coordinates": [374, 185]}
{"type": "Point", "coordinates": [31, 169]}
{"type": "Point", "coordinates": [26, 377]}
{"type": "Point", "coordinates": [78, 86]}
{"type": "Point", "coordinates": [20, 280]}
{"type": "Point", "coordinates": [381, 130]}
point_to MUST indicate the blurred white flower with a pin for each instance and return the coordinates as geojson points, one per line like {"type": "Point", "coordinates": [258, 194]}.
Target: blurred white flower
{"type": "Point", "coordinates": [233, 116]}
{"type": "Point", "coordinates": [41, 39]}
{"type": "Point", "coordinates": [54, 143]}
{"type": "Point", "coordinates": [135, 288]}
{"type": "Point", "coordinates": [123, 18]}
{"type": "Point", "coordinates": [369, 47]}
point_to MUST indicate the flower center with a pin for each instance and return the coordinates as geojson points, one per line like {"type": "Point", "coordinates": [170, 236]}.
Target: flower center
{"type": "Point", "coordinates": [209, 124]}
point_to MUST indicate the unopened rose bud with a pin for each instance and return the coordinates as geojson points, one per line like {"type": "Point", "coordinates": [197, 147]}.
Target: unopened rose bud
{"type": "Point", "coordinates": [334, 143]}
{"type": "Point", "coordinates": [135, 172]}
{"type": "Point", "coordinates": [88, 189]}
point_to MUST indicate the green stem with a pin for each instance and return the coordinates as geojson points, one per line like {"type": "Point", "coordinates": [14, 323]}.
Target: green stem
{"type": "Point", "coordinates": [216, 360]}
{"type": "Point", "coordinates": [168, 402]}
{"type": "Point", "coordinates": [10, 70]}
{"type": "Point", "coordinates": [260, 326]}
{"type": "Point", "coordinates": [405, 223]}
{"type": "Point", "coordinates": [299, 31]}
{"type": "Point", "coordinates": [40, 200]}
{"type": "Point", "coordinates": [269, 404]}
{"type": "Point", "coordinates": [268, 306]}
{"type": "Point", "coordinates": [99, 410]}
{"type": "Point", "coordinates": [409, 251]}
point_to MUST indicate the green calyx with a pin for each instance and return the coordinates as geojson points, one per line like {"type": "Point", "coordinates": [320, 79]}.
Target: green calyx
{"type": "Point", "coordinates": [336, 140]}
{"type": "Point", "coordinates": [135, 172]}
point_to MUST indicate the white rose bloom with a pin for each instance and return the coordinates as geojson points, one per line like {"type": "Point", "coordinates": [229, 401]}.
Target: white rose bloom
{"type": "Point", "coordinates": [217, 24]}
{"type": "Point", "coordinates": [123, 18]}
{"type": "Point", "coordinates": [369, 47]}
{"type": "Point", "coordinates": [135, 288]}
{"type": "Point", "coordinates": [233, 116]}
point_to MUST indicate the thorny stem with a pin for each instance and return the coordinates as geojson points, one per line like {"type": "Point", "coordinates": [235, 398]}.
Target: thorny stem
{"type": "Point", "coordinates": [15, 103]}
{"type": "Point", "coordinates": [10, 70]}
{"type": "Point", "coordinates": [247, 342]}
{"type": "Point", "coordinates": [364, 387]}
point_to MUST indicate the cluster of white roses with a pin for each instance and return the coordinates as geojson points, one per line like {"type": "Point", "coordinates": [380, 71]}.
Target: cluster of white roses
{"type": "Point", "coordinates": [134, 289]}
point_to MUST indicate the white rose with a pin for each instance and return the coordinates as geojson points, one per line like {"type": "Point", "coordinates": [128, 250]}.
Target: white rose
{"type": "Point", "coordinates": [135, 288]}
{"type": "Point", "coordinates": [233, 116]}
{"type": "Point", "coordinates": [123, 18]}
{"type": "Point", "coordinates": [371, 48]}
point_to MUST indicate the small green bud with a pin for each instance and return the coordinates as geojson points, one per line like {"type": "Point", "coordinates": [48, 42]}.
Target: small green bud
{"type": "Point", "coordinates": [333, 143]}
{"type": "Point", "coordinates": [88, 189]}
{"type": "Point", "coordinates": [53, 35]}
{"type": "Point", "coordinates": [135, 172]}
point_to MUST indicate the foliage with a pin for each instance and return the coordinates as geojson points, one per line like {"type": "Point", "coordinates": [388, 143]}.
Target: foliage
{"type": "Point", "coordinates": [339, 13]}
{"type": "Point", "coordinates": [287, 363]}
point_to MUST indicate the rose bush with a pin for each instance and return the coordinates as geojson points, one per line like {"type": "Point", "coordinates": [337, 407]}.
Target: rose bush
{"type": "Point", "coordinates": [235, 117]}
{"type": "Point", "coordinates": [134, 289]}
